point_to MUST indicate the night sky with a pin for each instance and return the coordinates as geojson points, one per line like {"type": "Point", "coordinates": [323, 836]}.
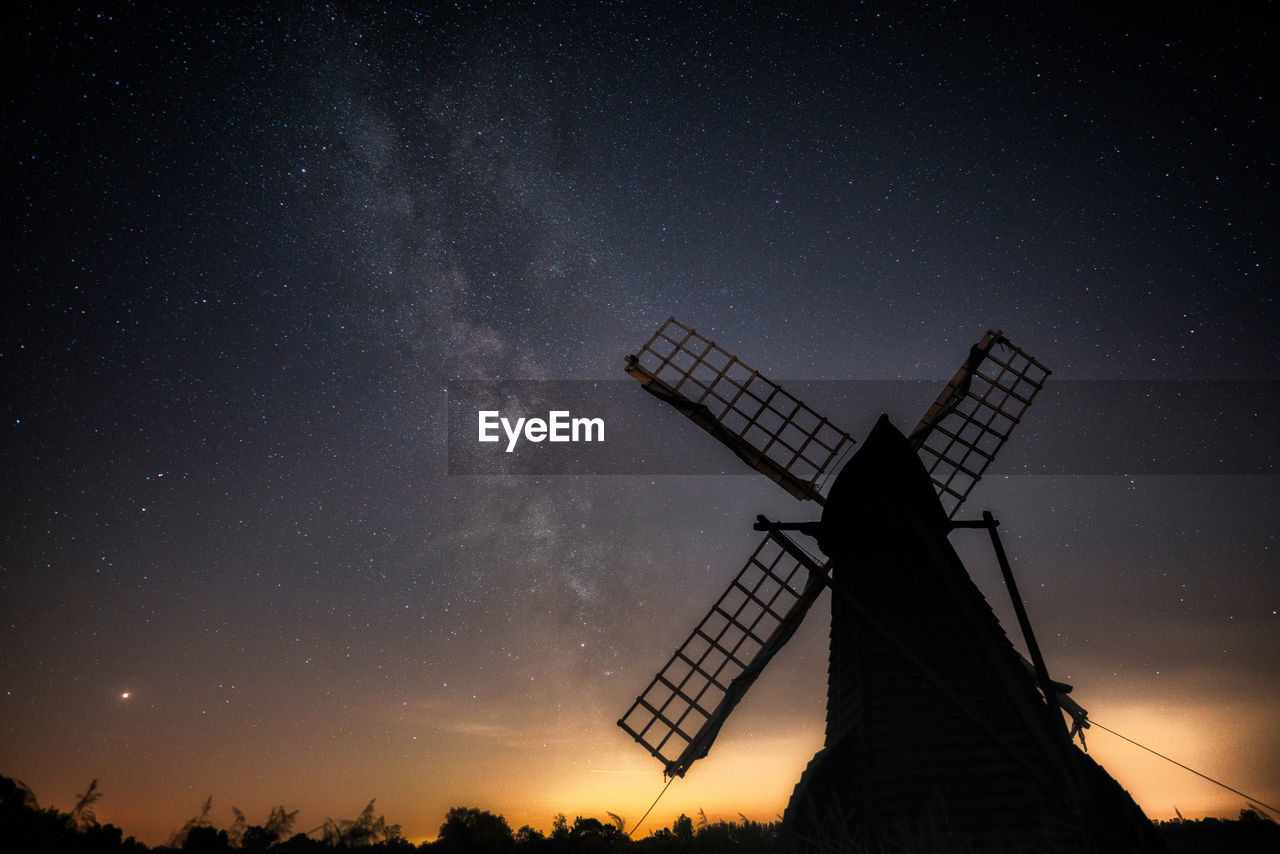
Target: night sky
{"type": "Point", "coordinates": [245, 253]}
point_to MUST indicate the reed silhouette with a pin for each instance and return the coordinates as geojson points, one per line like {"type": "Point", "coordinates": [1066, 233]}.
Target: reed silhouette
{"type": "Point", "coordinates": [27, 827]}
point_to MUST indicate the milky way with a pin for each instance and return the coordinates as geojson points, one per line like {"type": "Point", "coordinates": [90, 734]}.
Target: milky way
{"type": "Point", "coordinates": [246, 254]}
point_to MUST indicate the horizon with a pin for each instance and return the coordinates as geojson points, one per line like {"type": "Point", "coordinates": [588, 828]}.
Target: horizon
{"type": "Point", "coordinates": [1227, 807]}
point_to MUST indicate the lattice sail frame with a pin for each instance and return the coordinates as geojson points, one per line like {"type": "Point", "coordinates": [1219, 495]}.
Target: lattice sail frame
{"type": "Point", "coordinates": [678, 716]}
{"type": "Point", "coordinates": [770, 429]}
{"type": "Point", "coordinates": [961, 433]}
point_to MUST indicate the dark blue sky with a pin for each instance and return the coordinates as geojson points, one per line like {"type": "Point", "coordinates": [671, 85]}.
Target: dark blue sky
{"type": "Point", "coordinates": [246, 251]}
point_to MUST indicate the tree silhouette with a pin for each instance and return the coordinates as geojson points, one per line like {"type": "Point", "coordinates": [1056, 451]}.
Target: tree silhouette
{"type": "Point", "coordinates": [529, 837]}
{"type": "Point", "coordinates": [179, 837]}
{"type": "Point", "coordinates": [260, 837]}
{"type": "Point", "coordinates": [27, 796]}
{"type": "Point", "coordinates": [467, 829]}
{"type": "Point", "coordinates": [590, 835]}
{"type": "Point", "coordinates": [279, 823]}
{"type": "Point", "coordinates": [24, 826]}
{"type": "Point", "coordinates": [682, 827]}
{"type": "Point", "coordinates": [367, 829]}
{"type": "Point", "coordinates": [206, 839]}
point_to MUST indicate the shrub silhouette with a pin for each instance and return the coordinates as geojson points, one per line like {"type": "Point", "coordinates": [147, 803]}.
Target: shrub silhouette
{"type": "Point", "coordinates": [257, 838]}
{"type": "Point", "coordinates": [467, 829]}
{"type": "Point", "coordinates": [206, 839]}
{"type": "Point", "coordinates": [179, 837]}
{"type": "Point", "coordinates": [364, 830]}
{"type": "Point", "coordinates": [529, 838]}
{"type": "Point", "coordinates": [25, 827]}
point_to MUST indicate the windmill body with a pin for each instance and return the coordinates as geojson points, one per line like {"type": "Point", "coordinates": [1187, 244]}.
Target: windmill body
{"type": "Point", "coordinates": [932, 716]}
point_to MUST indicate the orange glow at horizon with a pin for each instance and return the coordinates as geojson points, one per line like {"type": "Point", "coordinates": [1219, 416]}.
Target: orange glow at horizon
{"type": "Point", "coordinates": [588, 769]}
{"type": "Point", "coordinates": [742, 776]}
{"type": "Point", "coordinates": [1233, 745]}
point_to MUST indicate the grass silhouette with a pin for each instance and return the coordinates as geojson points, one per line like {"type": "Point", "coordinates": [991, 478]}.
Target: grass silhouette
{"type": "Point", "coordinates": [26, 827]}
{"type": "Point", "coordinates": [82, 813]}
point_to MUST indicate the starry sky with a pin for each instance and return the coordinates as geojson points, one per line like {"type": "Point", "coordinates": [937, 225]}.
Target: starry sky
{"type": "Point", "coordinates": [246, 251]}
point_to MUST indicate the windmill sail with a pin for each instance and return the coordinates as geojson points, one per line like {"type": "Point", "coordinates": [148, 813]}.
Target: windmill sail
{"type": "Point", "coordinates": [680, 713]}
{"type": "Point", "coordinates": [769, 429]}
{"type": "Point", "coordinates": [961, 433]}
{"type": "Point", "coordinates": [678, 716]}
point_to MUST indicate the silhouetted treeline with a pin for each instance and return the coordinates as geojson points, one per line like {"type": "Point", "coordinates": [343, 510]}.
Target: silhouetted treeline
{"type": "Point", "coordinates": [26, 827]}
{"type": "Point", "coordinates": [1251, 833]}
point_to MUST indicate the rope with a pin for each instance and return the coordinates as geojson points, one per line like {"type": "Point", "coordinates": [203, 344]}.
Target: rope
{"type": "Point", "coordinates": [1186, 767]}
{"type": "Point", "coordinates": [942, 687]}
{"type": "Point", "coordinates": [636, 827]}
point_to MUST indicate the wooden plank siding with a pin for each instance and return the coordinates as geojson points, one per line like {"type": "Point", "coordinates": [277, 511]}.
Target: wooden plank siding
{"type": "Point", "coordinates": [931, 716]}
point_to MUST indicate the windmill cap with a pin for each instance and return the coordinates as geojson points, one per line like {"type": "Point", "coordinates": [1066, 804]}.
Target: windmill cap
{"type": "Point", "coordinates": [884, 479]}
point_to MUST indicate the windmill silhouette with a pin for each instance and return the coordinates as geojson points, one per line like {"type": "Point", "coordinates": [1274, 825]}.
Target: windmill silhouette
{"type": "Point", "coordinates": [932, 715]}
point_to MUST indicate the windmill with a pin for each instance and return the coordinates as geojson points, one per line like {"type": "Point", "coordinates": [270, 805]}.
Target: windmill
{"type": "Point", "coordinates": [930, 709]}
